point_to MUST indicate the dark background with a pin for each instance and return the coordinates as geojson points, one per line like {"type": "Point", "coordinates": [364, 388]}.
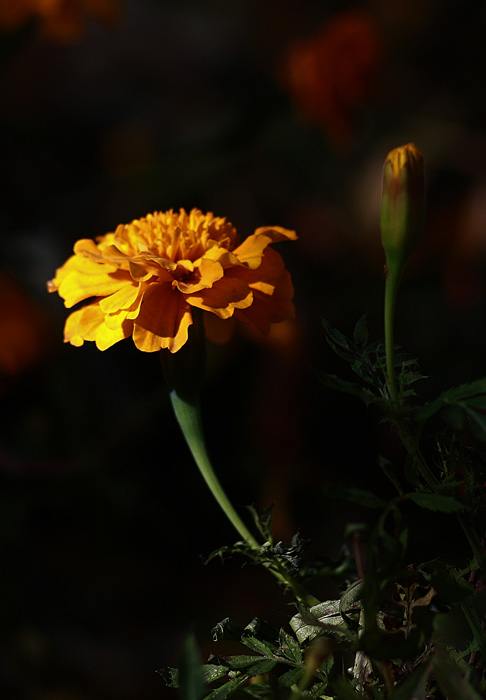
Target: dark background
{"type": "Point", "coordinates": [104, 521]}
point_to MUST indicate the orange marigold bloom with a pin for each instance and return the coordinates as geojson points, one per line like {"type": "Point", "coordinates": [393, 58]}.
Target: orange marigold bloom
{"type": "Point", "coordinates": [146, 278]}
{"type": "Point", "coordinates": [333, 72]}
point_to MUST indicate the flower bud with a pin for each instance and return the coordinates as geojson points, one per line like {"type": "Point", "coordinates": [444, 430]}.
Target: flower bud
{"type": "Point", "coordinates": [402, 205]}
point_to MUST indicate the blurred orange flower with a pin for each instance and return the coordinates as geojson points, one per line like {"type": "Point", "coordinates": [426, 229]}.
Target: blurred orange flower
{"type": "Point", "coordinates": [329, 75]}
{"type": "Point", "coordinates": [60, 20]}
{"type": "Point", "coordinates": [23, 339]}
{"type": "Point", "coordinates": [148, 276]}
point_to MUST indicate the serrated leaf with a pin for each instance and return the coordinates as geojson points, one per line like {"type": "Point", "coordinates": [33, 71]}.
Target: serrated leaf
{"type": "Point", "coordinates": [290, 677]}
{"type": "Point", "coordinates": [255, 644]}
{"type": "Point", "coordinates": [321, 617]}
{"type": "Point", "coordinates": [435, 502]}
{"type": "Point", "coordinates": [336, 336]}
{"type": "Point", "coordinates": [289, 647]}
{"type": "Point", "coordinates": [213, 672]}
{"type": "Point", "coordinates": [262, 667]}
{"type": "Point", "coordinates": [170, 676]}
{"type": "Point", "coordinates": [228, 689]}
{"type": "Point", "coordinates": [317, 690]}
{"type": "Point", "coordinates": [236, 662]}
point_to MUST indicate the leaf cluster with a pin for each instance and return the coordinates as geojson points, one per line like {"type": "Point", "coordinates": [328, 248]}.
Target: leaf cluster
{"type": "Point", "coordinates": [368, 362]}
{"type": "Point", "coordinates": [399, 630]}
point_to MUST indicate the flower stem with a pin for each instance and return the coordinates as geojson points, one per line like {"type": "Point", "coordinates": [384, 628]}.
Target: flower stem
{"type": "Point", "coordinates": [189, 418]}
{"type": "Point", "coordinates": [409, 441]}
{"type": "Point", "coordinates": [391, 288]}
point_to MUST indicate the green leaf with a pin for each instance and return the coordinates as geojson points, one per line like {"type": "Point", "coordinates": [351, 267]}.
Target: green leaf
{"type": "Point", "coordinates": [236, 662]}
{"type": "Point", "coordinates": [213, 672]}
{"type": "Point", "coordinates": [323, 617]}
{"type": "Point", "coordinates": [290, 677]}
{"type": "Point", "coordinates": [191, 677]}
{"type": "Point", "coordinates": [228, 689]}
{"type": "Point", "coordinates": [435, 502]}
{"type": "Point", "coordinates": [170, 676]}
{"type": "Point", "coordinates": [255, 644]}
{"type": "Point", "coordinates": [457, 404]}
{"type": "Point", "coordinates": [263, 666]}
{"type": "Point", "coordinates": [289, 648]}
{"type": "Point", "coordinates": [338, 342]}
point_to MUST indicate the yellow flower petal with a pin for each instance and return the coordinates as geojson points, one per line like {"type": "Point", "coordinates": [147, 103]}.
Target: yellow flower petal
{"type": "Point", "coordinates": [163, 320]}
{"type": "Point", "coordinates": [223, 298]}
{"type": "Point", "coordinates": [250, 252]}
{"type": "Point", "coordinates": [206, 274]}
{"type": "Point", "coordinates": [83, 324]}
{"type": "Point", "coordinates": [91, 279]}
{"type": "Point", "coordinates": [123, 298]}
{"type": "Point", "coordinates": [106, 337]}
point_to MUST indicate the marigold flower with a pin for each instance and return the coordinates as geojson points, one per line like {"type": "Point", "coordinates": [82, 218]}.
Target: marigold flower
{"type": "Point", "coordinates": [146, 278]}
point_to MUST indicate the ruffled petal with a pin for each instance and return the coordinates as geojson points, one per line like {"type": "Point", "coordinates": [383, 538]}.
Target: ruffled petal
{"type": "Point", "coordinates": [266, 310]}
{"type": "Point", "coordinates": [223, 298]}
{"type": "Point", "coordinates": [121, 299]}
{"type": "Point", "coordinates": [91, 279]}
{"type": "Point", "coordinates": [106, 337]}
{"type": "Point", "coordinates": [209, 273]}
{"type": "Point", "coordinates": [250, 252]}
{"type": "Point", "coordinates": [83, 324]}
{"type": "Point", "coordinates": [163, 320]}
{"type": "Point", "coordinates": [265, 276]}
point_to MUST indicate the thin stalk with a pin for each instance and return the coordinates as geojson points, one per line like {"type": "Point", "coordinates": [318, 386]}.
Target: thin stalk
{"type": "Point", "coordinates": [189, 418]}
{"type": "Point", "coordinates": [391, 288]}
{"type": "Point", "coordinates": [409, 441]}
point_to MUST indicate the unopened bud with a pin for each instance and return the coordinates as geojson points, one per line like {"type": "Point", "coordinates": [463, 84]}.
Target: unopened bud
{"type": "Point", "coordinates": [402, 204]}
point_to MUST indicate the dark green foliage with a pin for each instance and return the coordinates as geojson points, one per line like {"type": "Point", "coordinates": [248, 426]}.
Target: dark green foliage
{"type": "Point", "coordinates": [400, 629]}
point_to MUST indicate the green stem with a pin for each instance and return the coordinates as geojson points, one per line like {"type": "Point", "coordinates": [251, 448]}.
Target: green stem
{"type": "Point", "coordinates": [189, 418]}
{"type": "Point", "coordinates": [391, 288]}
{"type": "Point", "coordinates": [409, 441]}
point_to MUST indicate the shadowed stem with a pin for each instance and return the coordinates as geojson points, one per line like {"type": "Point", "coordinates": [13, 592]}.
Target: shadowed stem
{"type": "Point", "coordinates": [409, 441]}
{"type": "Point", "coordinates": [391, 288]}
{"type": "Point", "coordinates": [183, 372]}
{"type": "Point", "coordinates": [189, 418]}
